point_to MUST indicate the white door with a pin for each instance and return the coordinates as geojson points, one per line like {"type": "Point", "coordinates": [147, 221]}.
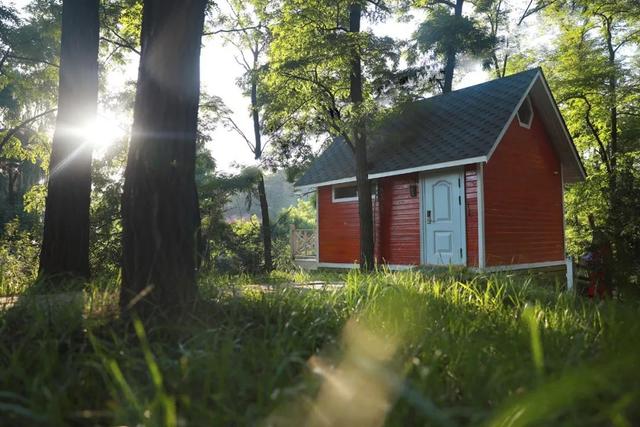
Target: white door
{"type": "Point", "coordinates": [443, 219]}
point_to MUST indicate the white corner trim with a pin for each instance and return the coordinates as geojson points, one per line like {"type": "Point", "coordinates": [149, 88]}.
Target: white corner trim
{"type": "Point", "coordinates": [463, 215]}
{"type": "Point", "coordinates": [564, 218]}
{"type": "Point", "coordinates": [317, 224]}
{"type": "Point", "coordinates": [524, 266]}
{"type": "Point", "coordinates": [513, 115]}
{"type": "Point", "coordinates": [481, 235]}
{"type": "Point", "coordinates": [423, 231]}
{"type": "Point", "coordinates": [435, 166]}
{"type": "Point", "coordinates": [570, 274]}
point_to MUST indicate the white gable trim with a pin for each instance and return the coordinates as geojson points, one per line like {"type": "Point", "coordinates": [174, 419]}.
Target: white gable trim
{"type": "Point", "coordinates": [513, 115]}
{"type": "Point", "coordinates": [539, 76]}
{"type": "Point", "coordinates": [556, 110]}
{"type": "Point", "coordinates": [425, 168]}
{"type": "Point", "coordinates": [322, 184]}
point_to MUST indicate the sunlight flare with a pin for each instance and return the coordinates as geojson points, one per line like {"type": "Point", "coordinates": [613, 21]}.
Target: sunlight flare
{"type": "Point", "coordinates": [103, 132]}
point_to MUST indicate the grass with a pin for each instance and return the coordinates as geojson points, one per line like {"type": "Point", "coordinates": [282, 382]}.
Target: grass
{"type": "Point", "coordinates": [407, 348]}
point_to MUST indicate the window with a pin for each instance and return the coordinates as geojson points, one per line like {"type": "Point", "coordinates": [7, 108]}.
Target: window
{"type": "Point", "coordinates": [349, 192]}
{"type": "Point", "coordinates": [525, 114]}
{"type": "Point", "coordinates": [345, 193]}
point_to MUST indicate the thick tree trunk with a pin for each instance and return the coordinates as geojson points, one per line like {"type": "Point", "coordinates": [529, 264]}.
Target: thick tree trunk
{"type": "Point", "coordinates": [360, 149]}
{"type": "Point", "coordinates": [450, 64]}
{"type": "Point", "coordinates": [65, 243]}
{"type": "Point", "coordinates": [262, 192]}
{"type": "Point", "coordinates": [160, 202]}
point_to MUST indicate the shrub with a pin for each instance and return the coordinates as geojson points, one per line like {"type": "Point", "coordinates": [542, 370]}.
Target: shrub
{"type": "Point", "coordinates": [18, 259]}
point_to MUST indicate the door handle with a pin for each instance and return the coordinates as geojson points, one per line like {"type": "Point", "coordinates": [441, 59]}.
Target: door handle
{"type": "Point", "coordinates": [429, 217]}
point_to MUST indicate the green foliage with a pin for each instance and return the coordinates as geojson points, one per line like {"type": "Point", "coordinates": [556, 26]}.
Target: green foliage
{"type": "Point", "coordinates": [239, 248]}
{"type": "Point", "coordinates": [443, 32]}
{"type": "Point", "coordinates": [18, 259]}
{"type": "Point", "coordinates": [22, 163]}
{"type": "Point", "coordinates": [105, 232]}
{"type": "Point", "coordinates": [29, 73]}
{"type": "Point", "coordinates": [236, 248]}
{"type": "Point", "coordinates": [302, 216]}
{"type": "Point", "coordinates": [120, 25]}
{"type": "Point", "coordinates": [592, 72]}
{"type": "Point", "coordinates": [307, 80]}
{"type": "Point", "coordinates": [488, 350]}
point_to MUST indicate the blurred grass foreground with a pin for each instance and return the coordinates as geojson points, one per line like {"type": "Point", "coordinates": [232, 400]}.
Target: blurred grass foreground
{"type": "Point", "coordinates": [387, 348]}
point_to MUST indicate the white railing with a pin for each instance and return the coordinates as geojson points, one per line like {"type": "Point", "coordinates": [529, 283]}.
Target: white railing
{"type": "Point", "coordinates": [303, 243]}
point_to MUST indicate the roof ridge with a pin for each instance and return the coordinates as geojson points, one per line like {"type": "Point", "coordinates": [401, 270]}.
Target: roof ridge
{"type": "Point", "coordinates": [457, 91]}
{"type": "Point", "coordinates": [463, 124]}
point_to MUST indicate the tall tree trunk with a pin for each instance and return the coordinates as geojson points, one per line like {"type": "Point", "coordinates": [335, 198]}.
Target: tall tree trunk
{"type": "Point", "coordinates": [160, 214]}
{"type": "Point", "coordinates": [262, 192]}
{"type": "Point", "coordinates": [360, 147]}
{"type": "Point", "coordinates": [12, 177]}
{"type": "Point", "coordinates": [266, 225]}
{"type": "Point", "coordinates": [450, 64]}
{"type": "Point", "coordinates": [616, 223]}
{"type": "Point", "coordinates": [65, 243]}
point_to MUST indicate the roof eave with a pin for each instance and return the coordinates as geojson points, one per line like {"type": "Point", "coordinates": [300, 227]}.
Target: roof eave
{"type": "Point", "coordinates": [377, 175]}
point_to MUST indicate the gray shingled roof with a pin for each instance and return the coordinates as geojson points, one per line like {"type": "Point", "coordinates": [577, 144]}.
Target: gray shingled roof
{"type": "Point", "coordinates": [459, 125]}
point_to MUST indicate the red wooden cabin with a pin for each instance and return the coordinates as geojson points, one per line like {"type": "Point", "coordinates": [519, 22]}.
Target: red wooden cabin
{"type": "Point", "coordinates": [473, 178]}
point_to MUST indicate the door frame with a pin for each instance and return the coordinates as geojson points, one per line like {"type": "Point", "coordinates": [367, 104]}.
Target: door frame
{"type": "Point", "coordinates": [423, 176]}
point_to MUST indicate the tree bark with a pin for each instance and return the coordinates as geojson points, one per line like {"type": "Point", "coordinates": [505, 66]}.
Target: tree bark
{"type": "Point", "coordinates": [65, 243]}
{"type": "Point", "coordinates": [266, 225]}
{"type": "Point", "coordinates": [617, 223]}
{"type": "Point", "coordinates": [360, 147]}
{"type": "Point", "coordinates": [160, 215]}
{"type": "Point", "coordinates": [262, 192]}
{"type": "Point", "coordinates": [450, 64]}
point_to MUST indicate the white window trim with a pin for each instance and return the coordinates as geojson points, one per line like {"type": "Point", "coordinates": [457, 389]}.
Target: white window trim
{"type": "Point", "coordinates": [374, 192]}
{"type": "Point", "coordinates": [523, 124]}
{"type": "Point", "coordinates": [345, 199]}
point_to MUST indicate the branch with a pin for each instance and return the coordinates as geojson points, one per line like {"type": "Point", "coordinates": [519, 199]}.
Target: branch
{"type": "Point", "coordinates": [529, 11]}
{"type": "Point", "coordinates": [234, 30]}
{"type": "Point", "coordinates": [445, 2]}
{"type": "Point", "coordinates": [282, 124]}
{"type": "Point", "coordinates": [13, 131]}
{"type": "Point", "coordinates": [380, 4]}
{"type": "Point", "coordinates": [28, 59]}
{"type": "Point", "coordinates": [235, 127]}
{"type": "Point", "coordinates": [4, 58]}
{"type": "Point", "coordinates": [594, 131]}
{"type": "Point", "coordinates": [626, 40]}
{"type": "Point", "coordinates": [122, 45]}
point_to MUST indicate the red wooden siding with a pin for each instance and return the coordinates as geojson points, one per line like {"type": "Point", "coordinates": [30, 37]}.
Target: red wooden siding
{"type": "Point", "coordinates": [400, 227]}
{"type": "Point", "coordinates": [471, 220]}
{"type": "Point", "coordinates": [339, 229]}
{"type": "Point", "coordinates": [396, 222]}
{"type": "Point", "coordinates": [523, 199]}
